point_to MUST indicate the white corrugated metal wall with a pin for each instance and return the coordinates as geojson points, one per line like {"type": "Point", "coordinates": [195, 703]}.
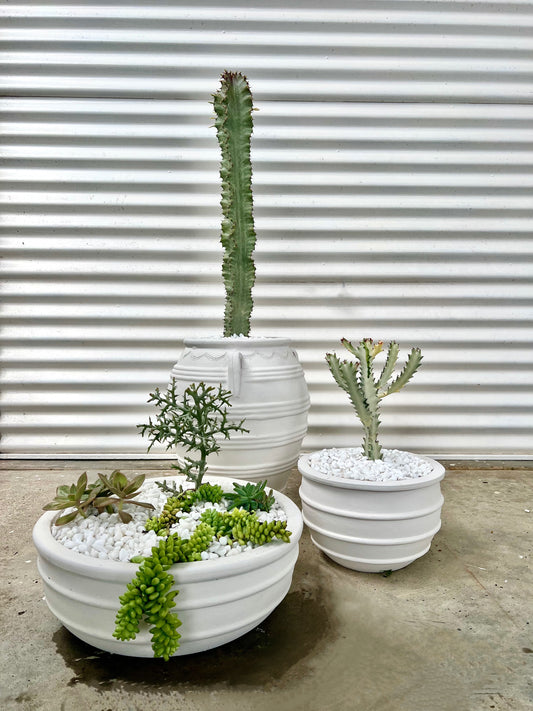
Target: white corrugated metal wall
{"type": "Point", "coordinates": [393, 166]}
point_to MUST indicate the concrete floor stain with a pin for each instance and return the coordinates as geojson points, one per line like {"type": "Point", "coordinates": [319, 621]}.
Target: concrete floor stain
{"type": "Point", "coordinates": [260, 658]}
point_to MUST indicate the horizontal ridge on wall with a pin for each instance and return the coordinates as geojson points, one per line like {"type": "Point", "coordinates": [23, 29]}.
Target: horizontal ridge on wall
{"type": "Point", "coordinates": [417, 50]}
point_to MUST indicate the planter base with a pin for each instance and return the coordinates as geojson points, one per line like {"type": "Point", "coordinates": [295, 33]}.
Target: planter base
{"type": "Point", "coordinates": [369, 566]}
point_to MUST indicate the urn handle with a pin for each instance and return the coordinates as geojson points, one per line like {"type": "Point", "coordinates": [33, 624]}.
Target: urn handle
{"type": "Point", "coordinates": [234, 372]}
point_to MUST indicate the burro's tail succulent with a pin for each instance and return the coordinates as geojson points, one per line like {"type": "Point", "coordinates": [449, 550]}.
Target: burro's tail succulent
{"type": "Point", "coordinates": [366, 389]}
{"type": "Point", "coordinates": [233, 121]}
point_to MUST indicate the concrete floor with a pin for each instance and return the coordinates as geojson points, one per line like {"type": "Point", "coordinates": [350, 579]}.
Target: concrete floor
{"type": "Point", "coordinates": [453, 631]}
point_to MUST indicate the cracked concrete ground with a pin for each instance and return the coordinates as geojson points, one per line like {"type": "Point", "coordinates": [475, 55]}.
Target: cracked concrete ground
{"type": "Point", "coordinates": [451, 632]}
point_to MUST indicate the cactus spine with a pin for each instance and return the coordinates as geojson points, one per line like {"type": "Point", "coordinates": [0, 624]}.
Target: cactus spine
{"type": "Point", "coordinates": [365, 389]}
{"type": "Point", "coordinates": [233, 122]}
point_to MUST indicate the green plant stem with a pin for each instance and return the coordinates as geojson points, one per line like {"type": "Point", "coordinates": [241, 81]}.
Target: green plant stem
{"type": "Point", "coordinates": [233, 121]}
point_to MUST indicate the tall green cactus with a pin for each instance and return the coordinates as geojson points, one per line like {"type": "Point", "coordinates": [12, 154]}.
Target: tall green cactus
{"type": "Point", "coordinates": [365, 389]}
{"type": "Point", "coordinates": [233, 121]}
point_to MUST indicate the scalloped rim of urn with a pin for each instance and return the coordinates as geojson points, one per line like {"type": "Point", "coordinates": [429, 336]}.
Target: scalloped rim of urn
{"type": "Point", "coordinates": [239, 342]}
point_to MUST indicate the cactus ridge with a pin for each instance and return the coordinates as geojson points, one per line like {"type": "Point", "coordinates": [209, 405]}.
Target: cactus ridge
{"type": "Point", "coordinates": [233, 122]}
{"type": "Point", "coordinates": [366, 389]}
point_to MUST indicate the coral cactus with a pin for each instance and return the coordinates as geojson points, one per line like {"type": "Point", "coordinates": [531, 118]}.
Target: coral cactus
{"type": "Point", "coordinates": [365, 389]}
{"type": "Point", "coordinates": [233, 121]}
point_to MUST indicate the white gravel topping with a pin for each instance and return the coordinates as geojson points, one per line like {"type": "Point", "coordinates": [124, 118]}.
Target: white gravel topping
{"type": "Point", "coordinates": [350, 463]}
{"type": "Point", "coordinates": [104, 536]}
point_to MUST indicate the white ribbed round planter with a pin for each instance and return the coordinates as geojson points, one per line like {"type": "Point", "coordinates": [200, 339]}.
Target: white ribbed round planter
{"type": "Point", "coordinates": [371, 526]}
{"type": "Point", "coordinates": [269, 392]}
{"type": "Point", "coordinates": [218, 600]}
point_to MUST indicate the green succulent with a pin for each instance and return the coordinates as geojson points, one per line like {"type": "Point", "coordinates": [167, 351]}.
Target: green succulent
{"type": "Point", "coordinates": [243, 526]}
{"type": "Point", "coordinates": [78, 496]}
{"type": "Point", "coordinates": [149, 596]}
{"type": "Point", "coordinates": [105, 494]}
{"type": "Point", "coordinates": [182, 501]}
{"type": "Point", "coordinates": [257, 532]}
{"type": "Point", "coordinates": [169, 515]}
{"type": "Point", "coordinates": [209, 492]}
{"type": "Point", "coordinates": [251, 497]}
{"type": "Point", "coordinates": [119, 491]}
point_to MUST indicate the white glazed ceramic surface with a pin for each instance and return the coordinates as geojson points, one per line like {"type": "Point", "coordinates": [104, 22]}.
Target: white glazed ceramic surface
{"type": "Point", "coordinates": [371, 526]}
{"type": "Point", "coordinates": [269, 393]}
{"type": "Point", "coordinates": [218, 601]}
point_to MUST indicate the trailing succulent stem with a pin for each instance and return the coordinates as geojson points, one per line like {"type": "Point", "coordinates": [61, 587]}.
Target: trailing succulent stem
{"type": "Point", "coordinates": [150, 598]}
{"type": "Point", "coordinates": [194, 421]}
{"type": "Point", "coordinates": [233, 122]}
{"type": "Point", "coordinates": [366, 389]}
{"type": "Point", "coordinates": [241, 526]}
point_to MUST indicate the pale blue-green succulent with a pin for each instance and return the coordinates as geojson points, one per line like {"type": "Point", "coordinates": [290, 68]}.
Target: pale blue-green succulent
{"type": "Point", "coordinates": [366, 389]}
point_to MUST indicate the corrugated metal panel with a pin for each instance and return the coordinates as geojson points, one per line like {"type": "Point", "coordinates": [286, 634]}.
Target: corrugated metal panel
{"type": "Point", "coordinates": [391, 220]}
{"type": "Point", "coordinates": [398, 50]}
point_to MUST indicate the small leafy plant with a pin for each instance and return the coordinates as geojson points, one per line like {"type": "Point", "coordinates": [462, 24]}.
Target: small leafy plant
{"type": "Point", "coordinates": [366, 389]}
{"type": "Point", "coordinates": [194, 421]}
{"type": "Point", "coordinates": [106, 493]}
{"type": "Point", "coordinates": [251, 497]}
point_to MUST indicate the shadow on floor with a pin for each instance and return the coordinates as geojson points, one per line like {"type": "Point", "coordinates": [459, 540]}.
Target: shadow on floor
{"type": "Point", "coordinates": [258, 659]}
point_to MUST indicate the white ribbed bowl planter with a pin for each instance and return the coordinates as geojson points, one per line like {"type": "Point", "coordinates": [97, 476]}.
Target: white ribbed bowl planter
{"type": "Point", "coordinates": [269, 392]}
{"type": "Point", "coordinates": [218, 600]}
{"type": "Point", "coordinates": [371, 526]}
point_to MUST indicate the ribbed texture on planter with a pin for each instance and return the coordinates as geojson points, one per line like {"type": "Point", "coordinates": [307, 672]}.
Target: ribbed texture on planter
{"type": "Point", "coordinates": [269, 392]}
{"type": "Point", "coordinates": [218, 600]}
{"type": "Point", "coordinates": [371, 526]}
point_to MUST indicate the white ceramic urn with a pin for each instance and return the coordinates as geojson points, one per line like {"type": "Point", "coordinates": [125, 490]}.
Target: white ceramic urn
{"type": "Point", "coordinates": [268, 391]}
{"type": "Point", "coordinates": [218, 601]}
{"type": "Point", "coordinates": [371, 526]}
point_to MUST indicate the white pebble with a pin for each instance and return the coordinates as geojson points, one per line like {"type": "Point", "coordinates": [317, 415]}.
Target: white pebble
{"type": "Point", "coordinates": [104, 536]}
{"type": "Point", "coordinates": [350, 463]}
